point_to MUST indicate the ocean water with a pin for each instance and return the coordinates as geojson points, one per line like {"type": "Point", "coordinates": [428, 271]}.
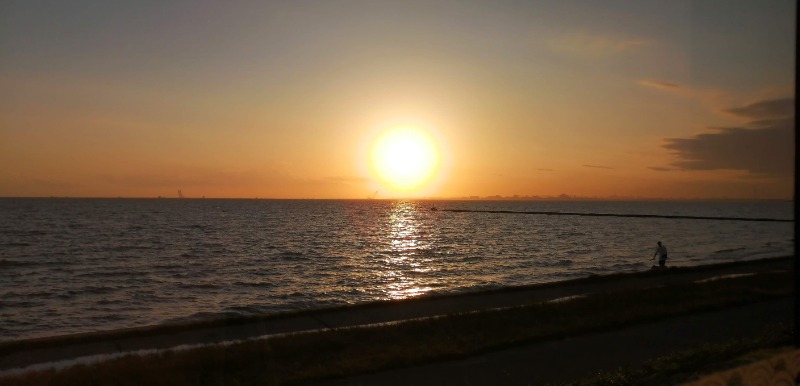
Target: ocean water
{"type": "Point", "coordinates": [80, 265]}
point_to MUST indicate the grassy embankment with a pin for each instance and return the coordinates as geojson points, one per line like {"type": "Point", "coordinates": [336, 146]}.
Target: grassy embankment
{"type": "Point", "coordinates": [308, 356]}
{"type": "Point", "coordinates": [691, 364]}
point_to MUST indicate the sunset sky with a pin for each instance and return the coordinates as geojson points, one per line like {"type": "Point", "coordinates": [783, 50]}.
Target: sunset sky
{"type": "Point", "coordinates": [286, 99]}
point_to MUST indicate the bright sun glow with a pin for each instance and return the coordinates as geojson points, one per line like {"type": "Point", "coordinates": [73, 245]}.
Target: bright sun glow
{"type": "Point", "coordinates": [405, 158]}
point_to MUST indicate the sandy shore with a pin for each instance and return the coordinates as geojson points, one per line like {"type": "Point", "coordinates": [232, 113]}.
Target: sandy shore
{"type": "Point", "coordinates": [20, 354]}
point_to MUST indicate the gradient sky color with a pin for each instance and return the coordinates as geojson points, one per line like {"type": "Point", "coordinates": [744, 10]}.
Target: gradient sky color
{"type": "Point", "coordinates": [659, 99]}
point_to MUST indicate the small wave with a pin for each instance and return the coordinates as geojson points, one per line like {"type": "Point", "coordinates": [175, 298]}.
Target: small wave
{"type": "Point", "coordinates": [579, 251]}
{"type": "Point", "coordinates": [10, 295]}
{"type": "Point", "coordinates": [88, 290]}
{"type": "Point", "coordinates": [15, 244]}
{"type": "Point", "coordinates": [558, 263]}
{"type": "Point", "coordinates": [21, 304]}
{"type": "Point", "coordinates": [146, 297]}
{"type": "Point", "coordinates": [94, 289]}
{"type": "Point", "coordinates": [106, 274]}
{"type": "Point", "coordinates": [106, 302]}
{"type": "Point", "coordinates": [729, 250]}
{"type": "Point", "coordinates": [627, 266]}
{"type": "Point", "coordinates": [192, 274]}
{"type": "Point", "coordinates": [201, 316]}
{"type": "Point", "coordinates": [481, 286]}
{"type": "Point", "coordinates": [200, 285]}
{"type": "Point", "coordinates": [12, 263]}
{"type": "Point", "coordinates": [722, 277]}
{"type": "Point", "coordinates": [291, 255]}
{"type": "Point", "coordinates": [244, 310]}
{"type": "Point", "coordinates": [26, 232]}
{"type": "Point", "coordinates": [125, 248]}
{"type": "Point", "coordinates": [169, 266]}
{"type": "Point", "coordinates": [108, 318]}
{"type": "Point", "coordinates": [41, 294]}
{"type": "Point", "coordinates": [442, 248]}
{"type": "Point", "coordinates": [260, 284]}
{"type": "Point", "coordinates": [566, 298]}
{"type": "Point", "coordinates": [66, 295]}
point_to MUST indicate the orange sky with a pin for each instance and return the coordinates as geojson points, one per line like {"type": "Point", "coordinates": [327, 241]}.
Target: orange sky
{"type": "Point", "coordinates": [683, 99]}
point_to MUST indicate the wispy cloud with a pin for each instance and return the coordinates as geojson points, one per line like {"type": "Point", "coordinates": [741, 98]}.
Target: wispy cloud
{"type": "Point", "coordinates": [764, 146]}
{"type": "Point", "coordinates": [596, 45]}
{"type": "Point", "coordinates": [597, 166]}
{"type": "Point", "coordinates": [660, 169]}
{"type": "Point", "coordinates": [659, 84]}
{"type": "Point", "coordinates": [712, 98]}
{"type": "Point", "coordinates": [545, 170]}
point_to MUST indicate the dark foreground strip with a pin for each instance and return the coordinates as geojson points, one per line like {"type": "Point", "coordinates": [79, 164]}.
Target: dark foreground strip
{"type": "Point", "coordinates": [619, 215]}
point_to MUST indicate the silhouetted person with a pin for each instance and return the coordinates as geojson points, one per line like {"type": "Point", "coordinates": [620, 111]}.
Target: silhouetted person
{"type": "Point", "coordinates": [661, 251]}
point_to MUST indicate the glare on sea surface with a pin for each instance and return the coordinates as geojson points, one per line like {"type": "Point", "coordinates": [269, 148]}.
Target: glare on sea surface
{"type": "Point", "coordinates": [403, 262]}
{"type": "Point", "coordinates": [405, 158]}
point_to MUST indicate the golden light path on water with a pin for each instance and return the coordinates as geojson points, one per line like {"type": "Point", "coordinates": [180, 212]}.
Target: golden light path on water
{"type": "Point", "coordinates": [403, 261]}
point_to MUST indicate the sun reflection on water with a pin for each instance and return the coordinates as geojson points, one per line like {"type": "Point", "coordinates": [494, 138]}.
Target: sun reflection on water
{"type": "Point", "coordinates": [406, 270]}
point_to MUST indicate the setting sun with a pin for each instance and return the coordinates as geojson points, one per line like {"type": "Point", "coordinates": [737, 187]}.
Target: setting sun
{"type": "Point", "coordinates": [404, 158]}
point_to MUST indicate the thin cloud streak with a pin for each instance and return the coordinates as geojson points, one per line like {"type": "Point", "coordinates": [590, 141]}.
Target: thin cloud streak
{"type": "Point", "coordinates": [777, 108]}
{"type": "Point", "coordinates": [596, 45]}
{"type": "Point", "coordinates": [710, 97]}
{"type": "Point", "coordinates": [598, 166]}
{"type": "Point", "coordinates": [658, 84]}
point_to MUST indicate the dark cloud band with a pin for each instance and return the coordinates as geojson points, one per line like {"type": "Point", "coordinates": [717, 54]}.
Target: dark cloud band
{"type": "Point", "coordinates": [776, 108]}
{"type": "Point", "coordinates": [598, 166]}
{"type": "Point", "coordinates": [764, 146]}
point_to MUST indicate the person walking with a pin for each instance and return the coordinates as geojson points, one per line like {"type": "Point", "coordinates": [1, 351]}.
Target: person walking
{"type": "Point", "coordinates": [661, 252]}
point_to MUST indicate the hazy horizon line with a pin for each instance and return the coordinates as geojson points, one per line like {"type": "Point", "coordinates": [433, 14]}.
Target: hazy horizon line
{"type": "Point", "coordinates": [460, 198]}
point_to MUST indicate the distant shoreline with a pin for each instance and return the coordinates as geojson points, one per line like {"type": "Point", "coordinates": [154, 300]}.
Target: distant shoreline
{"type": "Point", "coordinates": [423, 199]}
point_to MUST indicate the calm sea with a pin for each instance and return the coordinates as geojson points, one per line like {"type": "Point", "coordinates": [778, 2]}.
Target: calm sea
{"type": "Point", "coordinates": [78, 265]}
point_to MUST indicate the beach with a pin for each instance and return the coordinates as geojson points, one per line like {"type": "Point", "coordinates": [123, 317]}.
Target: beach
{"type": "Point", "coordinates": [36, 353]}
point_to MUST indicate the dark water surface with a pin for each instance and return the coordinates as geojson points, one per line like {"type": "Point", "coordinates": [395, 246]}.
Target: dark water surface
{"type": "Point", "coordinates": [78, 265]}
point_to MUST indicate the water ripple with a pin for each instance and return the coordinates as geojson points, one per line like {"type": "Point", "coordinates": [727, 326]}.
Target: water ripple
{"type": "Point", "coordinates": [77, 265]}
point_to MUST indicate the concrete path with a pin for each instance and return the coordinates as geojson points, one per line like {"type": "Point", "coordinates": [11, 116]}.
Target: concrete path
{"type": "Point", "coordinates": [583, 356]}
